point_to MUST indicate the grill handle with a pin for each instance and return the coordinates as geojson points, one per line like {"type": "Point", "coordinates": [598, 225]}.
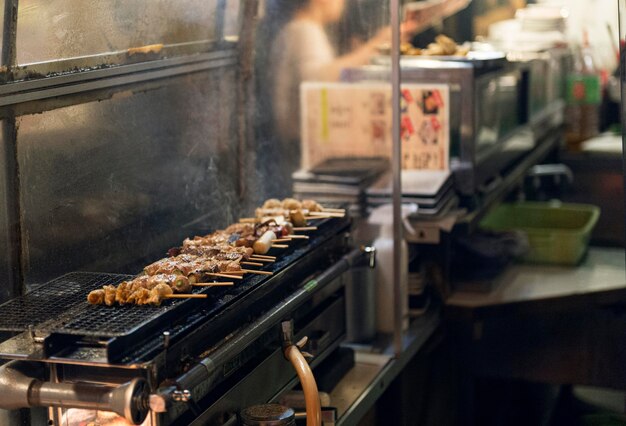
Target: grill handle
{"type": "Point", "coordinates": [206, 371]}
{"type": "Point", "coordinates": [20, 389]}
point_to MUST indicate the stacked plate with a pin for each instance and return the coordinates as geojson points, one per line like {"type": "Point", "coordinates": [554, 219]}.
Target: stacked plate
{"type": "Point", "coordinates": [432, 191]}
{"type": "Point", "coordinates": [340, 181]}
{"type": "Point", "coordinates": [541, 18]}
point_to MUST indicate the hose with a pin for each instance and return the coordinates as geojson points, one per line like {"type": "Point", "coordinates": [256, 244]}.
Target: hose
{"type": "Point", "coordinates": [307, 380]}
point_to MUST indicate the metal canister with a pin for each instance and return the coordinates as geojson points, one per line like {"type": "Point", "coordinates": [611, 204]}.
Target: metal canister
{"type": "Point", "coordinates": [268, 415]}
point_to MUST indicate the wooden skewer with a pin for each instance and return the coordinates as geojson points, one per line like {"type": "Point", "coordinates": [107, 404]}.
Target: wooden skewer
{"type": "Point", "coordinates": [247, 220]}
{"type": "Point", "coordinates": [280, 246]}
{"type": "Point", "coordinates": [262, 260]}
{"type": "Point", "coordinates": [325, 214]}
{"type": "Point", "coordinates": [264, 256]}
{"type": "Point", "coordinates": [224, 276]}
{"type": "Point", "coordinates": [324, 209]}
{"type": "Point", "coordinates": [251, 263]}
{"type": "Point", "coordinates": [252, 271]}
{"type": "Point", "coordinates": [281, 240]}
{"type": "Point", "coordinates": [305, 228]}
{"type": "Point", "coordinates": [186, 296]}
{"type": "Point", "coordinates": [298, 237]}
{"type": "Point", "coordinates": [214, 284]}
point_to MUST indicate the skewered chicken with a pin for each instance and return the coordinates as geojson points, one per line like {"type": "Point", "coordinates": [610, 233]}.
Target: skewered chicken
{"type": "Point", "coordinates": [142, 290]}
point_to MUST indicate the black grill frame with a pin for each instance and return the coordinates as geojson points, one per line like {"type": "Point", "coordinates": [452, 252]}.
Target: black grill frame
{"type": "Point", "coordinates": [133, 334]}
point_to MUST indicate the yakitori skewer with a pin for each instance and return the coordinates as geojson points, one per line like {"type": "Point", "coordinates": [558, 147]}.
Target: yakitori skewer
{"type": "Point", "coordinates": [254, 271]}
{"type": "Point", "coordinates": [280, 246]}
{"type": "Point", "coordinates": [326, 209]}
{"type": "Point", "coordinates": [258, 259]}
{"type": "Point", "coordinates": [262, 256]}
{"type": "Point", "coordinates": [185, 296]}
{"type": "Point", "coordinates": [229, 275]}
{"type": "Point", "coordinates": [305, 228]}
{"type": "Point", "coordinates": [298, 237]}
{"type": "Point", "coordinates": [214, 284]}
{"type": "Point", "coordinates": [325, 215]}
{"type": "Point", "coordinates": [281, 240]}
{"type": "Point", "coordinates": [251, 263]}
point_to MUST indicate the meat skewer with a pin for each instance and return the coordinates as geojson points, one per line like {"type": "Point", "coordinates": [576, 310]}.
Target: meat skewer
{"type": "Point", "coordinates": [220, 254]}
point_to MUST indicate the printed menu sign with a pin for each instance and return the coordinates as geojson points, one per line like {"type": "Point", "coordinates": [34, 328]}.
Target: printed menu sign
{"type": "Point", "coordinates": [355, 119]}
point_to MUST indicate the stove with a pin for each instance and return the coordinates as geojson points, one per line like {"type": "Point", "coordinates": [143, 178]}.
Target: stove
{"type": "Point", "coordinates": [173, 364]}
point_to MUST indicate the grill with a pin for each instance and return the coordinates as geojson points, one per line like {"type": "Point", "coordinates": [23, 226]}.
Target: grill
{"type": "Point", "coordinates": [171, 358]}
{"type": "Point", "coordinates": [57, 312]}
{"type": "Point", "coordinates": [50, 300]}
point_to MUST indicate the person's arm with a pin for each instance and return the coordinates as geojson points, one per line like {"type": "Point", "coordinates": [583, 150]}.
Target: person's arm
{"type": "Point", "coordinates": [314, 68]}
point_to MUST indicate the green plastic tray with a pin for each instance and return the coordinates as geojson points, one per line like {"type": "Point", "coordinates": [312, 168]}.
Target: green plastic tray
{"type": "Point", "coordinates": [558, 233]}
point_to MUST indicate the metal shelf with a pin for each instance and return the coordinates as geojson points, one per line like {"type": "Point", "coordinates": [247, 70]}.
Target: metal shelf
{"type": "Point", "coordinates": [375, 370]}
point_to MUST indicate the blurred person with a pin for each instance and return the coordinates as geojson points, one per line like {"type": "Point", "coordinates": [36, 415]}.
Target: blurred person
{"type": "Point", "coordinates": [302, 51]}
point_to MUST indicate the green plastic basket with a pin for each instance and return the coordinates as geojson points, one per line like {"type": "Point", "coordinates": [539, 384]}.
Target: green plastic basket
{"type": "Point", "coordinates": [558, 233]}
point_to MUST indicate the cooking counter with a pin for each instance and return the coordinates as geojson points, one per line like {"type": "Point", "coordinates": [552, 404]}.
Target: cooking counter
{"type": "Point", "coordinates": [547, 324]}
{"type": "Point", "coordinates": [600, 276]}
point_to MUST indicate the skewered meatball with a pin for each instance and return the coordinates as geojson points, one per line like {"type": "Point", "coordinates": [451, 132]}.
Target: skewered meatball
{"type": "Point", "coordinates": [291, 204]}
{"type": "Point", "coordinates": [311, 205]}
{"type": "Point", "coordinates": [272, 203]}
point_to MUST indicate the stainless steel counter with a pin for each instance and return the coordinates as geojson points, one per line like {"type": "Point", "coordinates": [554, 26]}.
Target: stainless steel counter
{"type": "Point", "coordinates": [603, 270]}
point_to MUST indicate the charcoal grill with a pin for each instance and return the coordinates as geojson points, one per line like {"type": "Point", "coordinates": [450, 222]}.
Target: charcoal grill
{"type": "Point", "coordinates": [175, 359]}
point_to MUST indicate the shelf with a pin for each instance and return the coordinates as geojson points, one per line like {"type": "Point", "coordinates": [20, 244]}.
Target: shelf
{"type": "Point", "coordinates": [376, 368]}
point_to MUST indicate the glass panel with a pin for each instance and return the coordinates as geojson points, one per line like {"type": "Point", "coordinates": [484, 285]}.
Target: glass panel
{"type": "Point", "coordinates": [60, 29]}
{"type": "Point", "coordinates": [111, 185]}
{"type": "Point", "coordinates": [322, 134]}
{"type": "Point", "coordinates": [303, 61]}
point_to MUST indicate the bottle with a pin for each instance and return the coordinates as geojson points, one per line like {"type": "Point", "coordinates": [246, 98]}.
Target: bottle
{"type": "Point", "coordinates": [583, 97]}
{"type": "Point", "coordinates": [385, 302]}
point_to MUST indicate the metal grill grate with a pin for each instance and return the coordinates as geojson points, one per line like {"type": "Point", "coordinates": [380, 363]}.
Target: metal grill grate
{"type": "Point", "coordinates": [51, 300]}
{"type": "Point", "coordinates": [113, 321]}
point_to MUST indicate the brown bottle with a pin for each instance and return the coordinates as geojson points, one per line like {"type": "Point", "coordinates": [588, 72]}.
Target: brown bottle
{"type": "Point", "coordinates": [583, 97]}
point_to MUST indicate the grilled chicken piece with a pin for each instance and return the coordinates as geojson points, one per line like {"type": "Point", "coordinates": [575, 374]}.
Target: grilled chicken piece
{"type": "Point", "coordinates": [96, 297]}
{"type": "Point", "coordinates": [109, 294]}
{"type": "Point", "coordinates": [159, 293]}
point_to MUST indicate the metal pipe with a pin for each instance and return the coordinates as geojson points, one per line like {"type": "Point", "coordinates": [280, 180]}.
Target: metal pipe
{"type": "Point", "coordinates": [396, 171]}
{"type": "Point", "coordinates": [208, 370]}
{"type": "Point", "coordinates": [20, 389]}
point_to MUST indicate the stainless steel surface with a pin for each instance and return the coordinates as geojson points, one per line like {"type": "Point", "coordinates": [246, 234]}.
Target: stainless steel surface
{"type": "Point", "coordinates": [272, 376]}
{"type": "Point", "coordinates": [514, 177]}
{"type": "Point", "coordinates": [374, 371]}
{"type": "Point", "coordinates": [203, 375]}
{"type": "Point", "coordinates": [603, 270]}
{"type": "Point", "coordinates": [361, 304]}
{"type": "Point", "coordinates": [489, 112]}
{"type": "Point", "coordinates": [396, 171]}
{"type": "Point", "coordinates": [98, 79]}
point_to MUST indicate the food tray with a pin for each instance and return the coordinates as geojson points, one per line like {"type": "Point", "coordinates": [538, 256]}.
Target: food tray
{"type": "Point", "coordinates": [558, 233]}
